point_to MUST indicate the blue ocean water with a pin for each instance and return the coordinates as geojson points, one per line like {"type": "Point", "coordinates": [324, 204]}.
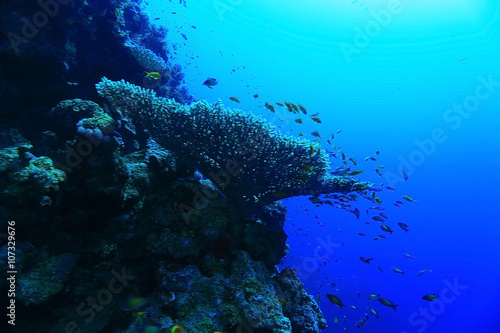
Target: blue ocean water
{"type": "Point", "coordinates": [418, 81]}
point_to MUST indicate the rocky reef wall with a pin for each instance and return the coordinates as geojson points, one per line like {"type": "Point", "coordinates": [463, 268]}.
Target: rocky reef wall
{"type": "Point", "coordinates": [95, 191]}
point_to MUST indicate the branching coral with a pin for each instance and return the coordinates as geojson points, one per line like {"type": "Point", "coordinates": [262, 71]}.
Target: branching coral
{"type": "Point", "coordinates": [147, 58]}
{"type": "Point", "coordinates": [242, 154]}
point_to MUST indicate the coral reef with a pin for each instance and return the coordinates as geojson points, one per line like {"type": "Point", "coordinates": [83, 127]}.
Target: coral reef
{"type": "Point", "coordinates": [95, 190]}
{"type": "Point", "coordinates": [213, 273]}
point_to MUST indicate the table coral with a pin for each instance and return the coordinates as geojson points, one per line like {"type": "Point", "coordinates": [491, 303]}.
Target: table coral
{"type": "Point", "coordinates": [242, 154]}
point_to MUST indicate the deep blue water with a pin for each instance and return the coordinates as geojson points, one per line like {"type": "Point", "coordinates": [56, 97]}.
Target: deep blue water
{"type": "Point", "coordinates": [412, 84]}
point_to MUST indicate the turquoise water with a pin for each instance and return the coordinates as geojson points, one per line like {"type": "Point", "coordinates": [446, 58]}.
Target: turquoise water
{"type": "Point", "coordinates": [393, 76]}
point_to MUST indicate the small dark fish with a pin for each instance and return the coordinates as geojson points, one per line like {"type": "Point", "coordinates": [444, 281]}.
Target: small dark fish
{"type": "Point", "coordinates": [315, 200]}
{"type": "Point", "coordinates": [366, 260]}
{"type": "Point", "coordinates": [422, 272]}
{"type": "Point", "coordinates": [374, 312]}
{"type": "Point", "coordinates": [397, 270]}
{"type": "Point", "coordinates": [356, 212]}
{"type": "Point", "coordinates": [184, 36]}
{"type": "Point", "coordinates": [193, 27]}
{"type": "Point", "coordinates": [430, 297]}
{"type": "Point", "coordinates": [340, 171]}
{"type": "Point", "coordinates": [335, 300]}
{"type": "Point", "coordinates": [316, 134]}
{"type": "Point", "coordinates": [403, 226]}
{"type": "Point", "coordinates": [386, 228]}
{"type": "Point", "coordinates": [388, 303]}
{"type": "Point", "coordinates": [408, 198]}
{"type": "Point", "coordinates": [405, 175]}
{"type": "Point", "coordinates": [210, 82]}
{"type": "Point", "coordinates": [157, 18]}
{"type": "Point", "coordinates": [380, 268]}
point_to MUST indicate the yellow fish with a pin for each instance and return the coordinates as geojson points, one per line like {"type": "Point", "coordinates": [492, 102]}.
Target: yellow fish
{"type": "Point", "coordinates": [154, 75]}
{"type": "Point", "coordinates": [177, 329]}
{"type": "Point", "coordinates": [289, 106]}
{"type": "Point", "coordinates": [269, 107]}
{"type": "Point", "coordinates": [307, 168]}
{"type": "Point", "coordinates": [133, 303]}
{"type": "Point", "coordinates": [311, 149]}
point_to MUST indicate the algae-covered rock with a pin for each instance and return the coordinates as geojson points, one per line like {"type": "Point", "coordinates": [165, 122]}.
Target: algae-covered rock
{"type": "Point", "coordinates": [26, 177]}
{"type": "Point", "coordinates": [245, 295]}
{"type": "Point", "coordinates": [45, 279]}
{"type": "Point", "coordinates": [302, 309]}
{"type": "Point", "coordinates": [41, 175]}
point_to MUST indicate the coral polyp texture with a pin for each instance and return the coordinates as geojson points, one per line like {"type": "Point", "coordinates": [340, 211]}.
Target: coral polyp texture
{"type": "Point", "coordinates": [243, 155]}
